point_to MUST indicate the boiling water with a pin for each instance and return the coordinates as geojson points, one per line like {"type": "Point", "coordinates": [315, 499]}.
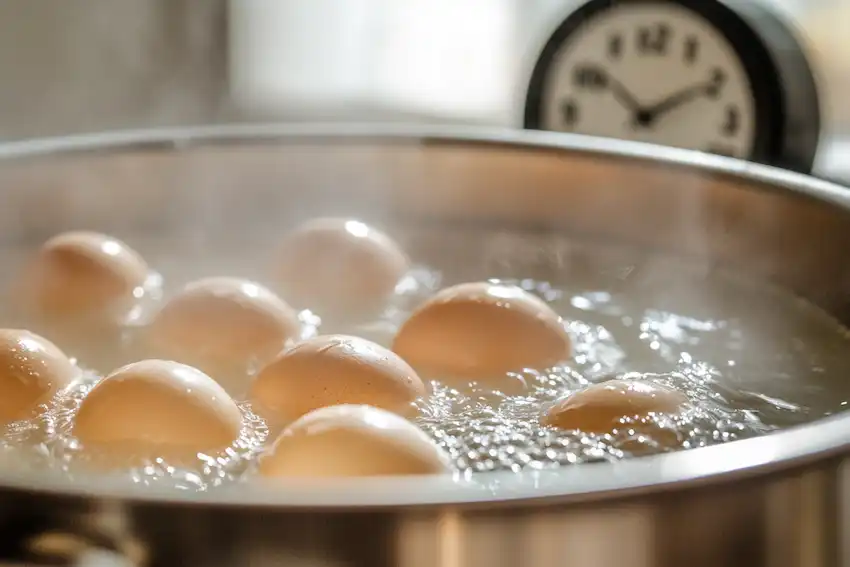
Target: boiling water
{"type": "Point", "coordinates": [751, 358]}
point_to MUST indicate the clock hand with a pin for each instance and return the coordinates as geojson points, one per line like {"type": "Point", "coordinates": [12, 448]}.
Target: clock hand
{"type": "Point", "coordinates": [597, 78]}
{"type": "Point", "coordinates": [623, 95]}
{"type": "Point", "coordinates": [653, 112]}
{"type": "Point", "coordinates": [650, 114]}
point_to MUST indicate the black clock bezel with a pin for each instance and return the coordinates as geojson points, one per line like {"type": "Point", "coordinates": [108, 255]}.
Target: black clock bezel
{"type": "Point", "coordinates": [786, 100]}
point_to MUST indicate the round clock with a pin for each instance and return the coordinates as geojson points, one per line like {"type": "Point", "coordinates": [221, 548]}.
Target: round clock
{"type": "Point", "coordinates": [725, 78]}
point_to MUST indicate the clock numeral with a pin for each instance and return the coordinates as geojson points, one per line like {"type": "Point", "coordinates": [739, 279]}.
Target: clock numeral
{"type": "Point", "coordinates": [615, 46]}
{"type": "Point", "coordinates": [653, 40]}
{"type": "Point", "coordinates": [718, 80]}
{"type": "Point", "coordinates": [569, 113]}
{"type": "Point", "coordinates": [590, 77]}
{"type": "Point", "coordinates": [721, 150]}
{"type": "Point", "coordinates": [733, 122]}
{"type": "Point", "coordinates": [691, 50]}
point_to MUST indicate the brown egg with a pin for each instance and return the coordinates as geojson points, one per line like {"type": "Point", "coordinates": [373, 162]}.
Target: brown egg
{"type": "Point", "coordinates": [84, 274]}
{"type": "Point", "coordinates": [480, 331]}
{"type": "Point", "coordinates": [32, 371]}
{"type": "Point", "coordinates": [334, 369]}
{"type": "Point", "coordinates": [351, 441]}
{"type": "Point", "coordinates": [607, 406]}
{"type": "Point", "coordinates": [223, 326]}
{"type": "Point", "coordinates": [156, 408]}
{"type": "Point", "coordinates": [339, 268]}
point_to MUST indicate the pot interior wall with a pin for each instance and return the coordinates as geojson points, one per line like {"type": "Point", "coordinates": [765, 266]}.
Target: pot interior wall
{"type": "Point", "coordinates": [206, 196]}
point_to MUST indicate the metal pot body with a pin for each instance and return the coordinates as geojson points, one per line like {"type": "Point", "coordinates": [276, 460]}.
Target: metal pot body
{"type": "Point", "coordinates": [793, 519]}
{"type": "Point", "coordinates": [777, 501]}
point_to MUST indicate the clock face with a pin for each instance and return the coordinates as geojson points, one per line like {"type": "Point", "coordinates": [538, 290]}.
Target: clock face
{"type": "Point", "coordinates": [653, 72]}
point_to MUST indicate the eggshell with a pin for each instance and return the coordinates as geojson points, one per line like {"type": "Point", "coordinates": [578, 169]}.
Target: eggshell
{"type": "Point", "coordinates": [353, 441]}
{"type": "Point", "coordinates": [84, 274]}
{"type": "Point", "coordinates": [334, 369]}
{"type": "Point", "coordinates": [32, 371]}
{"type": "Point", "coordinates": [339, 268]}
{"type": "Point", "coordinates": [480, 331]}
{"type": "Point", "coordinates": [223, 325]}
{"type": "Point", "coordinates": [158, 408]}
{"type": "Point", "coordinates": [607, 406]}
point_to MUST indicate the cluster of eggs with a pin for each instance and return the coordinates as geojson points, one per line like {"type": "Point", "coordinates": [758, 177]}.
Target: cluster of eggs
{"type": "Point", "coordinates": [339, 405]}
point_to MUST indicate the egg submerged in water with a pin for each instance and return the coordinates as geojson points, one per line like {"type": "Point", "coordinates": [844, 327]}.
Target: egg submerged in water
{"type": "Point", "coordinates": [32, 371]}
{"type": "Point", "coordinates": [353, 441]}
{"type": "Point", "coordinates": [223, 326]}
{"type": "Point", "coordinates": [84, 275]}
{"type": "Point", "coordinates": [157, 408]}
{"type": "Point", "coordinates": [331, 370]}
{"type": "Point", "coordinates": [482, 331]}
{"type": "Point", "coordinates": [340, 268]}
{"type": "Point", "coordinates": [608, 406]}
{"type": "Point", "coordinates": [81, 288]}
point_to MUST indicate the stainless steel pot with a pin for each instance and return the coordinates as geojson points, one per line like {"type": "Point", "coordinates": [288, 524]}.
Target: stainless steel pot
{"type": "Point", "coordinates": [774, 501]}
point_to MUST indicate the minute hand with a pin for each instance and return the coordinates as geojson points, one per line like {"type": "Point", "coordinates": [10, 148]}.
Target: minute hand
{"type": "Point", "coordinates": [651, 113]}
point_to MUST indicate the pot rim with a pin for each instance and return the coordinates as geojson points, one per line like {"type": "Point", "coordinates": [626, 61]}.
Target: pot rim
{"type": "Point", "coordinates": [734, 461]}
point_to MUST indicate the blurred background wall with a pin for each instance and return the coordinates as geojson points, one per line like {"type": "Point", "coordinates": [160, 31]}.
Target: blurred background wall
{"type": "Point", "coordinates": [91, 65]}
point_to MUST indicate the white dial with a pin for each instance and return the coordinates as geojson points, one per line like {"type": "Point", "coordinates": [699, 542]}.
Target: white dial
{"type": "Point", "coordinates": [652, 72]}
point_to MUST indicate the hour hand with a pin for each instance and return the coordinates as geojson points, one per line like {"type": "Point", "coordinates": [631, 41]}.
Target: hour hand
{"type": "Point", "coordinates": [596, 77]}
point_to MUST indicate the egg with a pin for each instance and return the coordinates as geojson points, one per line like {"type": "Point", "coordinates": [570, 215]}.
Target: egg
{"type": "Point", "coordinates": [223, 326]}
{"type": "Point", "coordinates": [334, 369]}
{"type": "Point", "coordinates": [84, 274]}
{"type": "Point", "coordinates": [353, 441]}
{"type": "Point", "coordinates": [154, 408]}
{"type": "Point", "coordinates": [339, 268]}
{"type": "Point", "coordinates": [607, 406]}
{"type": "Point", "coordinates": [32, 371]}
{"type": "Point", "coordinates": [481, 331]}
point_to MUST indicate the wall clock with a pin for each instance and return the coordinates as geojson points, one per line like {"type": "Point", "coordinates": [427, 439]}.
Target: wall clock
{"type": "Point", "coordinates": [721, 77]}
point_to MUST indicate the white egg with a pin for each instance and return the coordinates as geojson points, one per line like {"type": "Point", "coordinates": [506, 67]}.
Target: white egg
{"type": "Point", "coordinates": [339, 268]}
{"type": "Point", "coordinates": [353, 441]}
